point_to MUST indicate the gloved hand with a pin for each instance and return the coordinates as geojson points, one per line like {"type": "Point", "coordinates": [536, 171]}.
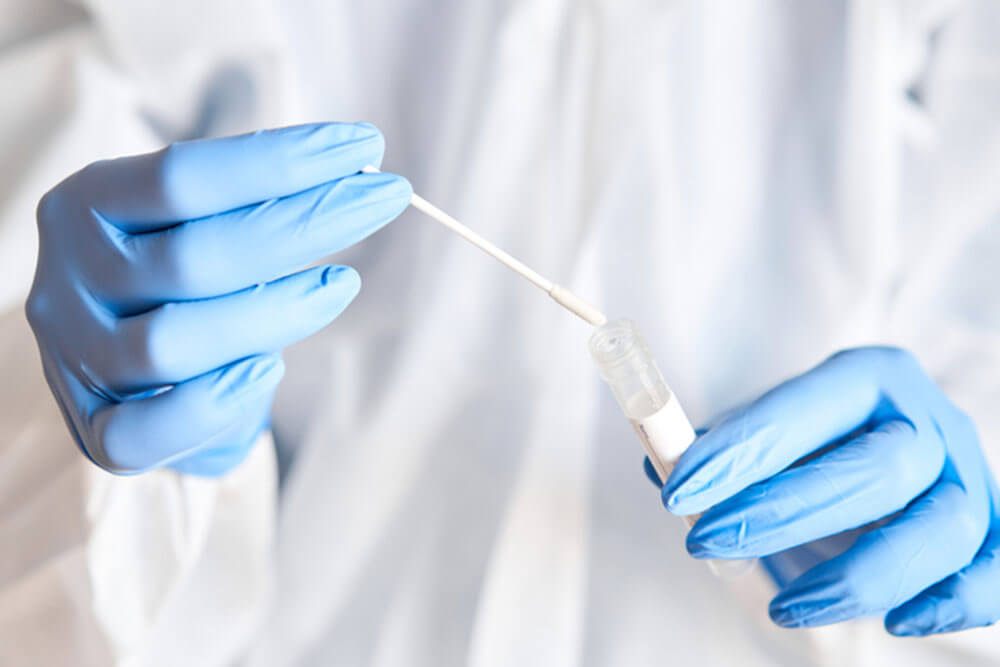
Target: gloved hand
{"type": "Point", "coordinates": [864, 437]}
{"type": "Point", "coordinates": [162, 297]}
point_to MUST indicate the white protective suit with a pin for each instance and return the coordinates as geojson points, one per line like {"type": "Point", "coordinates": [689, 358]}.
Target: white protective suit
{"type": "Point", "coordinates": [757, 182]}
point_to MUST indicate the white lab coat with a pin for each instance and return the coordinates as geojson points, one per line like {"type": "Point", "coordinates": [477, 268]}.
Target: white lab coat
{"type": "Point", "coordinates": [757, 183]}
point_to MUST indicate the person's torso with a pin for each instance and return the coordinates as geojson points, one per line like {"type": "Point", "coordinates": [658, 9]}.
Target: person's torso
{"type": "Point", "coordinates": [465, 489]}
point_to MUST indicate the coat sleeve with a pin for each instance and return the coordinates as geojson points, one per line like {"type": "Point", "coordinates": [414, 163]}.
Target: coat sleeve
{"type": "Point", "coordinates": [97, 569]}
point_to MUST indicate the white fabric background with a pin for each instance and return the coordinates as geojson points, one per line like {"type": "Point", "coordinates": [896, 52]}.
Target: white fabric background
{"type": "Point", "coordinates": [757, 183]}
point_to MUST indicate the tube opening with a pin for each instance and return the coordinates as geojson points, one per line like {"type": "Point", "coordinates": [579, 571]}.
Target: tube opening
{"type": "Point", "coordinates": [616, 342]}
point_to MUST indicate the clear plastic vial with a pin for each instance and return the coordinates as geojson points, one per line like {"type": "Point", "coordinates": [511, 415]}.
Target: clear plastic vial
{"type": "Point", "coordinates": [623, 358]}
{"type": "Point", "coordinates": [626, 364]}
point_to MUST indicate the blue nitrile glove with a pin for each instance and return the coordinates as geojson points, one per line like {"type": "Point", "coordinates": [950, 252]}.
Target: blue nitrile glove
{"type": "Point", "coordinates": [882, 444]}
{"type": "Point", "coordinates": [162, 297]}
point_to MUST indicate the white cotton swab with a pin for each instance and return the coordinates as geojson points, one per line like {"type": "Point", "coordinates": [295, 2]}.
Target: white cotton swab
{"type": "Point", "coordinates": [560, 295]}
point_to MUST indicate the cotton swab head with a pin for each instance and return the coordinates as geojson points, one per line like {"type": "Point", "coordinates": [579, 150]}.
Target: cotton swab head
{"type": "Point", "coordinates": [577, 306]}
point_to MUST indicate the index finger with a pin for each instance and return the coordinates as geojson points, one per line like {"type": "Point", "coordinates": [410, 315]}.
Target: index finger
{"type": "Point", "coordinates": [194, 179]}
{"type": "Point", "coordinates": [792, 420]}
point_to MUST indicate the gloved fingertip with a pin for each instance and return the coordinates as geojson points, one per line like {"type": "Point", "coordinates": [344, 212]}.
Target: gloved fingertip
{"type": "Point", "coordinates": [343, 278]}
{"type": "Point", "coordinates": [795, 610]}
{"type": "Point", "coordinates": [366, 129]}
{"type": "Point", "coordinates": [684, 480]}
{"type": "Point", "coordinates": [650, 471]}
{"type": "Point", "coordinates": [250, 376]}
{"type": "Point", "coordinates": [337, 286]}
{"type": "Point", "coordinates": [267, 371]}
{"type": "Point", "coordinates": [336, 150]}
{"type": "Point", "coordinates": [337, 133]}
{"type": "Point", "coordinates": [916, 618]}
{"type": "Point", "coordinates": [396, 194]}
{"type": "Point", "coordinates": [699, 550]}
{"type": "Point", "coordinates": [404, 189]}
{"type": "Point", "coordinates": [905, 629]}
{"type": "Point", "coordinates": [386, 186]}
{"type": "Point", "coordinates": [674, 502]}
{"type": "Point", "coordinates": [373, 139]}
{"type": "Point", "coordinates": [317, 139]}
{"type": "Point", "coordinates": [682, 505]}
{"type": "Point", "coordinates": [783, 618]}
{"type": "Point", "coordinates": [254, 369]}
{"type": "Point", "coordinates": [671, 499]}
{"type": "Point", "coordinates": [377, 200]}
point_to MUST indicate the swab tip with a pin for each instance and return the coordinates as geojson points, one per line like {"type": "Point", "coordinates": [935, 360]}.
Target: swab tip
{"type": "Point", "coordinates": [577, 306]}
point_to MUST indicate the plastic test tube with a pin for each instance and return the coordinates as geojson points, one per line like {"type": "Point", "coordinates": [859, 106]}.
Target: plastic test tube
{"type": "Point", "coordinates": [622, 356]}
{"type": "Point", "coordinates": [625, 363]}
